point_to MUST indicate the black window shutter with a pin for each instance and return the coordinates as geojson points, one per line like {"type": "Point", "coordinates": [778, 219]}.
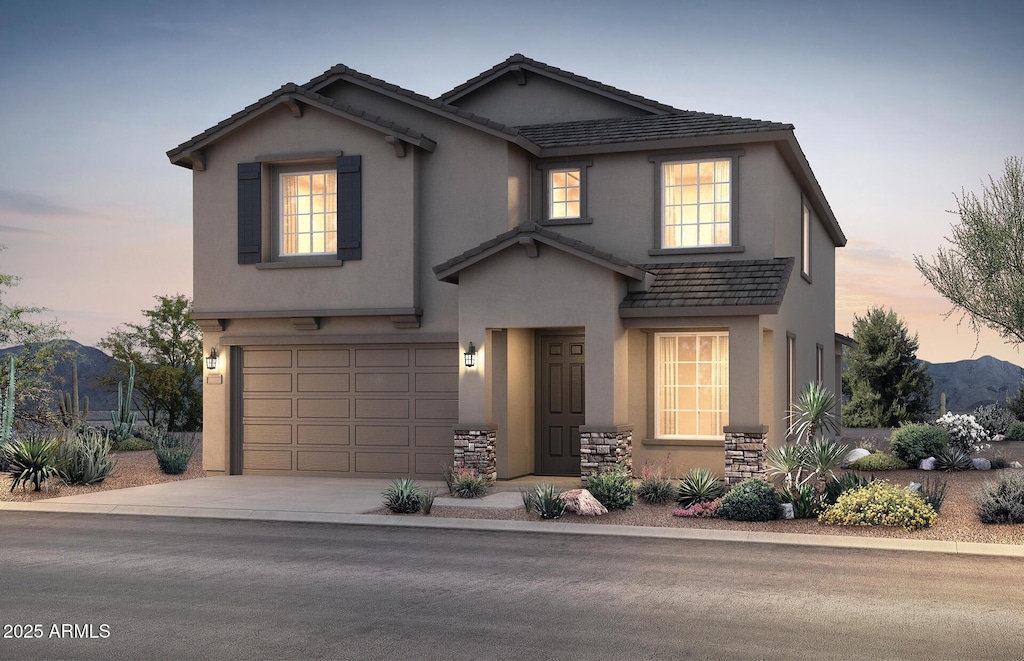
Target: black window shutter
{"type": "Point", "coordinates": [250, 221]}
{"type": "Point", "coordinates": [350, 207]}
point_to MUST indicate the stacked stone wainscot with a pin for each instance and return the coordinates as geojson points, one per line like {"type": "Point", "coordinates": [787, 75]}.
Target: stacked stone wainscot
{"type": "Point", "coordinates": [474, 449]}
{"type": "Point", "coordinates": [744, 453]}
{"type": "Point", "coordinates": [605, 448]}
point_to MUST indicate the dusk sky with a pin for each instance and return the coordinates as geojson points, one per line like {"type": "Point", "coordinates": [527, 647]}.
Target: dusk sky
{"type": "Point", "coordinates": [898, 105]}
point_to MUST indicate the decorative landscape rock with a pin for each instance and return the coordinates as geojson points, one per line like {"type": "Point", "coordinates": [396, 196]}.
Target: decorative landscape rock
{"type": "Point", "coordinates": [1015, 464]}
{"type": "Point", "coordinates": [926, 464]}
{"type": "Point", "coordinates": [914, 486]}
{"type": "Point", "coordinates": [998, 437]}
{"type": "Point", "coordinates": [981, 464]}
{"type": "Point", "coordinates": [854, 455]}
{"type": "Point", "coordinates": [786, 511]}
{"type": "Point", "coordinates": [583, 503]}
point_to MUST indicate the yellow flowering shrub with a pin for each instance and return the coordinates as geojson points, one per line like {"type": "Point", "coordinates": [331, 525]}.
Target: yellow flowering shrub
{"type": "Point", "coordinates": [880, 503]}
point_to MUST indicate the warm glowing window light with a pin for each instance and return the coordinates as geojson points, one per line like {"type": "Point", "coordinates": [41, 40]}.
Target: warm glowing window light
{"type": "Point", "coordinates": [696, 203]}
{"type": "Point", "coordinates": [565, 193]}
{"type": "Point", "coordinates": [309, 213]}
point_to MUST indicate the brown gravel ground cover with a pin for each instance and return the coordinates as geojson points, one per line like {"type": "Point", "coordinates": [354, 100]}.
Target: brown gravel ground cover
{"type": "Point", "coordinates": [133, 469]}
{"type": "Point", "coordinates": [958, 519]}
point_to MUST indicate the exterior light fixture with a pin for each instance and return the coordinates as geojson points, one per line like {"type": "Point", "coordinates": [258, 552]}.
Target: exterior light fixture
{"type": "Point", "coordinates": [470, 356]}
{"type": "Point", "coordinates": [211, 360]}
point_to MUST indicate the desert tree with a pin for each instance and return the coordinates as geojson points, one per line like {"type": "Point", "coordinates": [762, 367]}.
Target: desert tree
{"type": "Point", "coordinates": [981, 271]}
{"type": "Point", "coordinates": [887, 383]}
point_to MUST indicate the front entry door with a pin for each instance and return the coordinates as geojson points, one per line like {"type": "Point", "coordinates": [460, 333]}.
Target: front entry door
{"type": "Point", "coordinates": [560, 403]}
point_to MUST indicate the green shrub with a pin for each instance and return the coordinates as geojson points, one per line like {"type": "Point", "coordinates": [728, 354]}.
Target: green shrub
{"type": "Point", "coordinates": [994, 418]}
{"type": "Point", "coordinates": [613, 488]}
{"type": "Point", "coordinates": [132, 444]}
{"type": "Point", "coordinates": [752, 499]}
{"type": "Point", "coordinates": [1002, 501]}
{"type": "Point", "coordinates": [467, 483]}
{"type": "Point", "coordinates": [547, 501]}
{"type": "Point", "coordinates": [934, 492]}
{"type": "Point", "coordinates": [85, 458]}
{"type": "Point", "coordinates": [1016, 431]}
{"type": "Point", "coordinates": [403, 496]}
{"type": "Point", "coordinates": [999, 460]}
{"type": "Point", "coordinates": [880, 504]}
{"type": "Point", "coordinates": [879, 461]}
{"type": "Point", "coordinates": [173, 451]}
{"type": "Point", "coordinates": [952, 460]}
{"type": "Point", "coordinates": [837, 486]}
{"type": "Point", "coordinates": [33, 461]}
{"type": "Point", "coordinates": [912, 443]}
{"type": "Point", "coordinates": [655, 484]}
{"type": "Point", "coordinates": [699, 485]}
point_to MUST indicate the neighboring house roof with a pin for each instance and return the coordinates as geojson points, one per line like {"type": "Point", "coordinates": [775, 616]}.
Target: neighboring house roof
{"type": "Point", "coordinates": [644, 128]}
{"type": "Point", "coordinates": [342, 72]}
{"type": "Point", "coordinates": [755, 286]}
{"type": "Point", "coordinates": [519, 62]}
{"type": "Point", "coordinates": [291, 95]}
{"type": "Point", "coordinates": [525, 234]}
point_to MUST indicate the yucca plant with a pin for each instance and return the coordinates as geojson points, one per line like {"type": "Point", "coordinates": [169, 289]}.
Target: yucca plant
{"type": "Point", "coordinates": [403, 496]}
{"type": "Point", "coordinates": [787, 461]}
{"type": "Point", "coordinates": [823, 456]}
{"type": "Point", "coordinates": [699, 485]}
{"type": "Point", "coordinates": [547, 501]}
{"type": "Point", "coordinates": [812, 414]}
{"type": "Point", "coordinates": [85, 458]}
{"type": "Point", "coordinates": [32, 461]}
{"type": "Point", "coordinates": [952, 459]}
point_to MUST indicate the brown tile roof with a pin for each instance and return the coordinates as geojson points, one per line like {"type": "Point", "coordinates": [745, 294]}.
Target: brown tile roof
{"type": "Point", "coordinates": [757, 282]}
{"type": "Point", "coordinates": [448, 268]}
{"type": "Point", "coordinates": [521, 59]}
{"type": "Point", "coordinates": [294, 91]}
{"type": "Point", "coordinates": [638, 129]}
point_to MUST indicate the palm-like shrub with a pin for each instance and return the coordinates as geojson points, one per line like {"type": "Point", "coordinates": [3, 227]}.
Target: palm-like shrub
{"type": "Point", "coordinates": [403, 496]}
{"type": "Point", "coordinates": [33, 461]}
{"type": "Point", "coordinates": [812, 414]}
{"type": "Point", "coordinates": [823, 456]}
{"type": "Point", "coordinates": [753, 499]}
{"type": "Point", "coordinates": [912, 443]}
{"type": "Point", "coordinates": [952, 460]}
{"type": "Point", "coordinates": [613, 488]}
{"type": "Point", "coordinates": [699, 485]}
{"type": "Point", "coordinates": [787, 461]}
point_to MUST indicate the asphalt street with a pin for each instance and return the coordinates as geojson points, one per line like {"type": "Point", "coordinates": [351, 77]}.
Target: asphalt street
{"type": "Point", "coordinates": [100, 586]}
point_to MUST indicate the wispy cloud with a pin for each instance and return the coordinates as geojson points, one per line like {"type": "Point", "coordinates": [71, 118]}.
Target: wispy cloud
{"type": "Point", "coordinates": [34, 205]}
{"type": "Point", "coordinates": [11, 229]}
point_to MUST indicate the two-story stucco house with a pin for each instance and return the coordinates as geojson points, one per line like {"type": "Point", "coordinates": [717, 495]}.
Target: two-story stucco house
{"type": "Point", "coordinates": [534, 273]}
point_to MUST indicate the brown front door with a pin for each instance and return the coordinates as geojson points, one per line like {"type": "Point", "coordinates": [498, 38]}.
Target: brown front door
{"type": "Point", "coordinates": [560, 403]}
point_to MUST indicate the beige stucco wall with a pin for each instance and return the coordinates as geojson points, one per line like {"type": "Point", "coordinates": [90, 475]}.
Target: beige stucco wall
{"type": "Point", "coordinates": [539, 101]}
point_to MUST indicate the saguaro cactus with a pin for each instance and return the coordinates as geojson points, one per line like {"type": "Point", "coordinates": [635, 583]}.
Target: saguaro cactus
{"type": "Point", "coordinates": [124, 418]}
{"type": "Point", "coordinates": [7, 409]}
{"type": "Point", "coordinates": [72, 416]}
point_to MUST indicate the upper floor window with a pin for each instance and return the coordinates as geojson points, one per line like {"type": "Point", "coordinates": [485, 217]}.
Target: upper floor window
{"type": "Point", "coordinates": [805, 241]}
{"type": "Point", "coordinates": [697, 203]}
{"type": "Point", "coordinates": [565, 186]}
{"type": "Point", "coordinates": [309, 213]}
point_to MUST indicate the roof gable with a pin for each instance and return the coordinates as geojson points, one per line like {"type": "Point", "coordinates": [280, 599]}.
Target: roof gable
{"type": "Point", "coordinates": [519, 65]}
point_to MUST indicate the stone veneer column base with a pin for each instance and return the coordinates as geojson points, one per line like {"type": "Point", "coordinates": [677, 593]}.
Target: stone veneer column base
{"type": "Point", "coordinates": [744, 453]}
{"type": "Point", "coordinates": [474, 449]}
{"type": "Point", "coordinates": [605, 447]}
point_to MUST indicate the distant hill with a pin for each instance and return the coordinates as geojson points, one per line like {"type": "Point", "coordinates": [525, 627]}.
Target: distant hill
{"type": "Point", "coordinates": [969, 384]}
{"type": "Point", "coordinates": [92, 365]}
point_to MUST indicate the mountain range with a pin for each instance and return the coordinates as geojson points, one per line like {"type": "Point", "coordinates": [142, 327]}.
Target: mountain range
{"type": "Point", "coordinates": [92, 365]}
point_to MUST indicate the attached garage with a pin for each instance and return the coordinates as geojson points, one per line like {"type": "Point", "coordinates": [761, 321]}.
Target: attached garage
{"type": "Point", "coordinates": [347, 410]}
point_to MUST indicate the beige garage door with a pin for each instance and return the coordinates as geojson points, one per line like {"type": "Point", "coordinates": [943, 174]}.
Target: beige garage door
{"type": "Point", "coordinates": [359, 410]}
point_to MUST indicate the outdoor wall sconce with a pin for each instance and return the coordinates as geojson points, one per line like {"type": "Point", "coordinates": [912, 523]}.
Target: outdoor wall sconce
{"type": "Point", "coordinates": [470, 356]}
{"type": "Point", "coordinates": [211, 360]}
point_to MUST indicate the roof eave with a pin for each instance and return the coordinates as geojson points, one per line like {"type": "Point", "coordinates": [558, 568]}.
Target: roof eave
{"type": "Point", "coordinates": [664, 144]}
{"type": "Point", "coordinates": [794, 156]}
{"type": "Point", "coordinates": [697, 311]}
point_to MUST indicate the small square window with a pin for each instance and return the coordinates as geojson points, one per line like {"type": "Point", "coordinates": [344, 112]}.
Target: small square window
{"type": "Point", "coordinates": [565, 189]}
{"type": "Point", "coordinates": [564, 194]}
{"type": "Point", "coordinates": [696, 203]}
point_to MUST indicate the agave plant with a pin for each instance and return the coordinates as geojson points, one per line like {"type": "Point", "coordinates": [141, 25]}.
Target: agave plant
{"type": "Point", "coordinates": [32, 461]}
{"type": "Point", "coordinates": [403, 496]}
{"type": "Point", "coordinates": [812, 414]}
{"type": "Point", "coordinates": [547, 501]}
{"type": "Point", "coordinates": [952, 459]}
{"type": "Point", "coordinates": [699, 485]}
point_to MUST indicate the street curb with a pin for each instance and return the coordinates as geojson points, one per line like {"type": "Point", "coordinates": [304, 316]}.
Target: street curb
{"type": "Point", "coordinates": [550, 527]}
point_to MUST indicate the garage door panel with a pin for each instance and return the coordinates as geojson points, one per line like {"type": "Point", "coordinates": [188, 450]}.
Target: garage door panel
{"type": "Point", "coordinates": [267, 383]}
{"type": "Point", "coordinates": [300, 405]}
{"type": "Point", "coordinates": [382, 435]}
{"type": "Point", "coordinates": [376, 382]}
{"type": "Point", "coordinates": [382, 462]}
{"type": "Point", "coordinates": [437, 409]}
{"type": "Point", "coordinates": [281, 434]}
{"type": "Point", "coordinates": [388, 409]}
{"type": "Point", "coordinates": [323, 408]}
{"type": "Point", "coordinates": [275, 460]}
{"type": "Point", "coordinates": [266, 408]}
{"type": "Point", "coordinates": [323, 434]}
{"type": "Point", "coordinates": [267, 358]}
{"type": "Point", "coordinates": [334, 462]}
{"type": "Point", "coordinates": [323, 382]}
{"type": "Point", "coordinates": [324, 357]}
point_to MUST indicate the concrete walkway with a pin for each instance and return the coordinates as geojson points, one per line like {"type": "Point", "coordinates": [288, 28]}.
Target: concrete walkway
{"type": "Point", "coordinates": [337, 500]}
